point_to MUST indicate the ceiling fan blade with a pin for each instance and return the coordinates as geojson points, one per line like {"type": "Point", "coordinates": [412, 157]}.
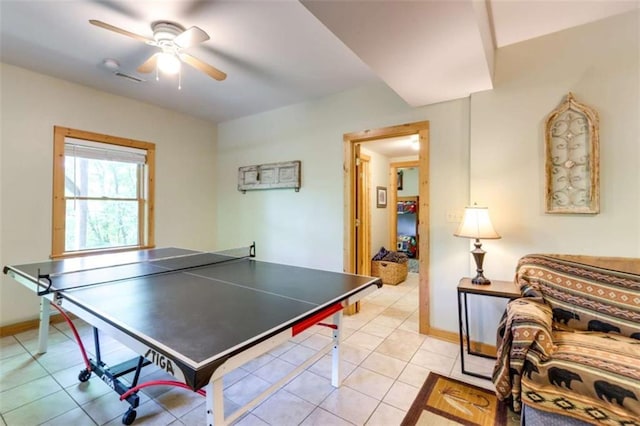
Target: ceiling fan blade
{"type": "Point", "coordinates": [190, 37]}
{"type": "Point", "coordinates": [202, 66]}
{"type": "Point", "coordinates": [121, 31]}
{"type": "Point", "coordinates": [149, 65]}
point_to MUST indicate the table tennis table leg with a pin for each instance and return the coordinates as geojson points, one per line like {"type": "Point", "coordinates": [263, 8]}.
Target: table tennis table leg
{"type": "Point", "coordinates": [215, 403]}
{"type": "Point", "coordinates": [43, 331]}
{"type": "Point", "coordinates": [336, 377]}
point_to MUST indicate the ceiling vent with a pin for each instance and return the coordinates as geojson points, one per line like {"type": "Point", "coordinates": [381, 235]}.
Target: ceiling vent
{"type": "Point", "coordinates": [129, 77]}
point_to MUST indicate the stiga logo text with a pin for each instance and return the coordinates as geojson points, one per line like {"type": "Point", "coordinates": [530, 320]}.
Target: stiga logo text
{"type": "Point", "coordinates": [160, 360]}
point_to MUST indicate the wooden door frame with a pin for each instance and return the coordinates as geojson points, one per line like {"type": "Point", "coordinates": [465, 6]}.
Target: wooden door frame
{"type": "Point", "coordinates": [365, 221]}
{"type": "Point", "coordinates": [421, 128]}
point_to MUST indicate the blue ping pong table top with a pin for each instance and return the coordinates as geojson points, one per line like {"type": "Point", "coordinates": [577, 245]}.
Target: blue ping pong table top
{"type": "Point", "coordinates": [199, 316]}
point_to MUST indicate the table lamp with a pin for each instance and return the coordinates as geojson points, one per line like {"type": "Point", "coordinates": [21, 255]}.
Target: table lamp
{"type": "Point", "coordinates": [476, 224]}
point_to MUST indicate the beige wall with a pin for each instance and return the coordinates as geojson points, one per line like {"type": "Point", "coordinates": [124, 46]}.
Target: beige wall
{"type": "Point", "coordinates": [599, 63]}
{"type": "Point", "coordinates": [31, 105]}
{"type": "Point", "coordinates": [488, 149]}
{"type": "Point", "coordinates": [306, 228]}
{"type": "Point", "coordinates": [379, 175]}
{"type": "Point", "coordinates": [410, 180]}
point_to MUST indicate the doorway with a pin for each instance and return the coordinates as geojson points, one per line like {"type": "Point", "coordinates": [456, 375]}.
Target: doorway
{"type": "Point", "coordinates": [404, 229]}
{"type": "Point", "coordinates": [354, 231]}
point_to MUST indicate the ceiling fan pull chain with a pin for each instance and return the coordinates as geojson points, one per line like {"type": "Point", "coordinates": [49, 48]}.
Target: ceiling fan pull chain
{"type": "Point", "coordinates": [180, 79]}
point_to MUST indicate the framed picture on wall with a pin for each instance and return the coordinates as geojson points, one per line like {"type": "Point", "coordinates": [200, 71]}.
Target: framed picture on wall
{"type": "Point", "coordinates": [381, 196]}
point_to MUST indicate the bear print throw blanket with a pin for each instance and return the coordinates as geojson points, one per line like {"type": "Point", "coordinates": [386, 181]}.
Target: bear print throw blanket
{"type": "Point", "coordinates": [571, 344]}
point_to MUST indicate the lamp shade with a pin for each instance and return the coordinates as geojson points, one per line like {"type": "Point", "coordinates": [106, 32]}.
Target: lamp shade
{"type": "Point", "coordinates": [476, 224]}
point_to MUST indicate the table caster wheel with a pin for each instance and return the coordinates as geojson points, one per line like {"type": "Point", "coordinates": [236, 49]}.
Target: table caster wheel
{"type": "Point", "coordinates": [84, 375]}
{"type": "Point", "coordinates": [129, 417]}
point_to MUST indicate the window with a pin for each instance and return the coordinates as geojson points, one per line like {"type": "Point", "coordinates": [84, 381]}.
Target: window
{"type": "Point", "coordinates": [102, 193]}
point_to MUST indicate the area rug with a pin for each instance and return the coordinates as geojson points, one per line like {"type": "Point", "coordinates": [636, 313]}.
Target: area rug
{"type": "Point", "coordinates": [461, 402]}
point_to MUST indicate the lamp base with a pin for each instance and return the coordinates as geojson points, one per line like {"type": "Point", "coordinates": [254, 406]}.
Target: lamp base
{"type": "Point", "coordinates": [480, 280]}
{"type": "Point", "coordinates": [478, 255]}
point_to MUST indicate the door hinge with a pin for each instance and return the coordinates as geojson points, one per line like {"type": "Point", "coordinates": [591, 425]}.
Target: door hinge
{"type": "Point", "coordinates": [357, 162]}
{"type": "Point", "coordinates": [357, 222]}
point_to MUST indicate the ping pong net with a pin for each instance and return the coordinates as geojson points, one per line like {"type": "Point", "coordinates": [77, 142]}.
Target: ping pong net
{"type": "Point", "coordinates": [103, 272]}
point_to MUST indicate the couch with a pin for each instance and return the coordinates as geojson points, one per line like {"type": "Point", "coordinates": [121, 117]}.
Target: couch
{"type": "Point", "coordinates": [571, 345]}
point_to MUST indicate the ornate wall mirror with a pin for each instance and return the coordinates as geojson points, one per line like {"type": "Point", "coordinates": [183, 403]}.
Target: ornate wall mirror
{"type": "Point", "coordinates": [572, 158]}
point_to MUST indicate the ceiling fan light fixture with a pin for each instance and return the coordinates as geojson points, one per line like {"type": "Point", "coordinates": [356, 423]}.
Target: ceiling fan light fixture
{"type": "Point", "coordinates": [168, 63]}
{"type": "Point", "coordinates": [171, 38]}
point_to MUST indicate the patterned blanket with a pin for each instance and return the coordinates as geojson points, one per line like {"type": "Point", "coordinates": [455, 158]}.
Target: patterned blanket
{"type": "Point", "coordinates": [525, 336]}
{"type": "Point", "coordinates": [572, 344]}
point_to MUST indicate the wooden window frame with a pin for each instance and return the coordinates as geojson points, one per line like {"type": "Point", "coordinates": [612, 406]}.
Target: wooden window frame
{"type": "Point", "coordinates": [146, 224]}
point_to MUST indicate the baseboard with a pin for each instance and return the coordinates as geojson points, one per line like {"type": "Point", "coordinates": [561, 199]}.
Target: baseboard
{"type": "Point", "coordinates": [453, 337]}
{"type": "Point", "coordinates": [21, 327]}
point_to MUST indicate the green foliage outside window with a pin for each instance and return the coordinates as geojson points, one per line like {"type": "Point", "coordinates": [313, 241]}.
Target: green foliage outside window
{"type": "Point", "coordinates": [102, 203]}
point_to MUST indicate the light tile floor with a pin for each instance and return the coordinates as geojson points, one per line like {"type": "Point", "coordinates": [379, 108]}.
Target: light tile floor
{"type": "Point", "coordinates": [384, 364]}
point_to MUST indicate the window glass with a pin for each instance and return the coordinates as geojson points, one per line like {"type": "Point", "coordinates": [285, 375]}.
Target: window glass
{"type": "Point", "coordinates": [98, 178]}
{"type": "Point", "coordinates": [95, 224]}
{"type": "Point", "coordinates": [103, 192]}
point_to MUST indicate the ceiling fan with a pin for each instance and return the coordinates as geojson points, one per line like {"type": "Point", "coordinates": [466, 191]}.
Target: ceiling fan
{"type": "Point", "coordinates": [171, 38]}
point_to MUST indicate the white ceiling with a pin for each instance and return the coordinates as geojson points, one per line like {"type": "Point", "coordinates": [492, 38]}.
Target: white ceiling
{"type": "Point", "coordinates": [426, 51]}
{"type": "Point", "coordinates": [518, 20]}
{"type": "Point", "coordinates": [278, 53]}
{"type": "Point", "coordinates": [396, 147]}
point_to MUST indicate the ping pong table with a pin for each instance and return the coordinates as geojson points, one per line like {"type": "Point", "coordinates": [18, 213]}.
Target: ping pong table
{"type": "Point", "coordinates": [196, 315]}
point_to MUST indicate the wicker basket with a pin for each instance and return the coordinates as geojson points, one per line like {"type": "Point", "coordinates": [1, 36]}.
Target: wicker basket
{"type": "Point", "coordinates": [390, 272]}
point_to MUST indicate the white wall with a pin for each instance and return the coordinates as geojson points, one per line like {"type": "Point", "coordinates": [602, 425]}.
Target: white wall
{"type": "Point", "coordinates": [379, 175]}
{"type": "Point", "coordinates": [599, 63]}
{"type": "Point", "coordinates": [31, 105]}
{"type": "Point", "coordinates": [306, 228]}
{"type": "Point", "coordinates": [487, 149]}
{"type": "Point", "coordinates": [410, 182]}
